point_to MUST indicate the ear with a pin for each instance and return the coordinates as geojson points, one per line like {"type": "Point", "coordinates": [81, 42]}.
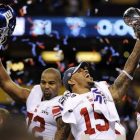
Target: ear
{"type": "Point", "coordinates": [60, 83]}
{"type": "Point", "coordinates": [1, 121]}
{"type": "Point", "coordinates": [71, 82]}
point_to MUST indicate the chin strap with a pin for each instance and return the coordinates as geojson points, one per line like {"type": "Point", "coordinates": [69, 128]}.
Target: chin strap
{"type": "Point", "coordinates": [2, 41]}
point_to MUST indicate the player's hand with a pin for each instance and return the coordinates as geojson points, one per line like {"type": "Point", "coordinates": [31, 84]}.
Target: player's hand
{"type": "Point", "coordinates": [136, 28]}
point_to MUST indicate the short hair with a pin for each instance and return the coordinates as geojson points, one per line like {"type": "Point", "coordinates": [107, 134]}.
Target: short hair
{"type": "Point", "coordinates": [5, 114]}
{"type": "Point", "coordinates": [54, 71]}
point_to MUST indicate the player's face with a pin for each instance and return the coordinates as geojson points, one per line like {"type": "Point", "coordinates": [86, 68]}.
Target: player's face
{"type": "Point", "coordinates": [83, 78]}
{"type": "Point", "coordinates": [50, 85]}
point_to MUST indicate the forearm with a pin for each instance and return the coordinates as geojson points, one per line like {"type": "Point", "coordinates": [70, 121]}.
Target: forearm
{"type": "Point", "coordinates": [120, 86]}
{"type": "Point", "coordinates": [133, 60]}
{"type": "Point", "coordinates": [16, 92]}
{"type": "Point", "coordinates": [63, 130]}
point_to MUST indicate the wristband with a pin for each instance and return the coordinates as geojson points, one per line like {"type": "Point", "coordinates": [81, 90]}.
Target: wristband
{"type": "Point", "coordinates": [129, 76]}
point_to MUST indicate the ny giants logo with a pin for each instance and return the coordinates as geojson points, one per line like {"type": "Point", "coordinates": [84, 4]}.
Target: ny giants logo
{"type": "Point", "coordinates": [8, 15]}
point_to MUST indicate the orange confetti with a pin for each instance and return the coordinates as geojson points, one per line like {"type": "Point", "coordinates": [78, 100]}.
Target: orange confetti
{"type": "Point", "coordinates": [21, 12]}
{"type": "Point", "coordinates": [106, 39]}
{"type": "Point", "coordinates": [71, 64]}
{"type": "Point", "coordinates": [125, 41]}
{"type": "Point", "coordinates": [62, 69]}
{"type": "Point", "coordinates": [58, 64]}
{"type": "Point", "coordinates": [124, 98]}
{"type": "Point", "coordinates": [71, 27]}
{"type": "Point", "coordinates": [35, 35]}
{"type": "Point", "coordinates": [110, 59]}
{"type": "Point", "coordinates": [19, 81]}
{"type": "Point", "coordinates": [96, 27]}
{"type": "Point", "coordinates": [31, 62]}
{"type": "Point", "coordinates": [41, 46]}
{"type": "Point", "coordinates": [29, 19]}
{"type": "Point", "coordinates": [6, 46]}
{"type": "Point", "coordinates": [129, 99]}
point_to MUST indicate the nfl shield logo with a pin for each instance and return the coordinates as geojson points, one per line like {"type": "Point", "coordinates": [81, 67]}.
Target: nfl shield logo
{"type": "Point", "coordinates": [69, 74]}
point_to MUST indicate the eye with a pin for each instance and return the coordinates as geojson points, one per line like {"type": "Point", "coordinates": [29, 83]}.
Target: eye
{"type": "Point", "coordinates": [43, 82]}
{"type": "Point", "coordinates": [51, 83]}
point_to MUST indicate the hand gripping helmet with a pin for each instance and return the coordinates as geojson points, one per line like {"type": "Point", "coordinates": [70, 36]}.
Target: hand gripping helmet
{"type": "Point", "coordinates": [7, 22]}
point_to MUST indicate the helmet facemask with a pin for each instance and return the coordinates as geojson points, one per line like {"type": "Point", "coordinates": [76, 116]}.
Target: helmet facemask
{"type": "Point", "coordinates": [3, 34]}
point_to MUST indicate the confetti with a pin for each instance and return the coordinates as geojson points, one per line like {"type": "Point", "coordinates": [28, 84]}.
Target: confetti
{"type": "Point", "coordinates": [96, 10]}
{"type": "Point", "coordinates": [65, 40]}
{"type": "Point", "coordinates": [23, 110]}
{"type": "Point", "coordinates": [83, 35]}
{"type": "Point", "coordinates": [71, 64]}
{"type": "Point", "coordinates": [29, 19]}
{"type": "Point", "coordinates": [125, 41]}
{"type": "Point", "coordinates": [24, 9]}
{"type": "Point", "coordinates": [56, 33]}
{"type": "Point", "coordinates": [14, 38]}
{"type": "Point", "coordinates": [29, 83]}
{"type": "Point", "coordinates": [33, 48]}
{"type": "Point", "coordinates": [56, 48]}
{"type": "Point", "coordinates": [40, 60]}
{"type": "Point", "coordinates": [21, 12]}
{"type": "Point", "coordinates": [23, 40]}
{"type": "Point", "coordinates": [106, 39]}
{"type": "Point", "coordinates": [96, 27]}
{"type": "Point", "coordinates": [20, 72]}
{"type": "Point", "coordinates": [40, 45]}
{"type": "Point", "coordinates": [88, 12]}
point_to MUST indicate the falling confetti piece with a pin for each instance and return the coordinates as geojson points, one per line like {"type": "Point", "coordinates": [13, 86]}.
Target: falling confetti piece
{"type": "Point", "coordinates": [96, 11]}
{"type": "Point", "coordinates": [106, 39]}
{"type": "Point", "coordinates": [33, 48]}
{"type": "Point", "coordinates": [96, 27]}
{"type": "Point", "coordinates": [71, 64]}
{"type": "Point", "coordinates": [29, 83]}
{"type": "Point", "coordinates": [40, 45]}
{"type": "Point", "coordinates": [65, 40]}
{"type": "Point", "coordinates": [29, 19]}
{"type": "Point", "coordinates": [21, 12]}
{"type": "Point", "coordinates": [19, 81]}
{"type": "Point", "coordinates": [56, 33]}
{"type": "Point", "coordinates": [125, 41]}
{"type": "Point", "coordinates": [88, 12]}
{"type": "Point", "coordinates": [40, 60]}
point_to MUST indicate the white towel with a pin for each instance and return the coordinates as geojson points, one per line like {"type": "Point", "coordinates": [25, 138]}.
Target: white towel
{"type": "Point", "coordinates": [107, 108]}
{"type": "Point", "coordinates": [67, 103]}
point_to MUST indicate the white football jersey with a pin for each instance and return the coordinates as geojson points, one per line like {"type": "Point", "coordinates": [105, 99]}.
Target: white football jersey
{"type": "Point", "coordinates": [41, 115]}
{"type": "Point", "coordinates": [120, 132]}
{"type": "Point", "coordinates": [90, 122]}
{"type": "Point", "coordinates": [81, 115]}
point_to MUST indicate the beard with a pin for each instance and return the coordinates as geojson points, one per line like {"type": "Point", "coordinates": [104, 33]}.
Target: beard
{"type": "Point", "coordinates": [47, 96]}
{"type": "Point", "coordinates": [91, 84]}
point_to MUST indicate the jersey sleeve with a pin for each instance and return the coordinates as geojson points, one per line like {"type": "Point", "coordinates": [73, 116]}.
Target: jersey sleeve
{"type": "Point", "coordinates": [35, 97]}
{"type": "Point", "coordinates": [56, 112]}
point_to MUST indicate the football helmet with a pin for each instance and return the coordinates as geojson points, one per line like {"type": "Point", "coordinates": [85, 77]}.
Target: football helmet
{"type": "Point", "coordinates": [7, 22]}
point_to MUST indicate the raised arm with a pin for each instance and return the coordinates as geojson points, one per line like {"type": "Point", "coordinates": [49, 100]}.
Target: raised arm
{"type": "Point", "coordinates": [63, 130]}
{"type": "Point", "coordinates": [16, 92]}
{"type": "Point", "coordinates": [120, 86]}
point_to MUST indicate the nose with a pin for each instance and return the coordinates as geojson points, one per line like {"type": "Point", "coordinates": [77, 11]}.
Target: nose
{"type": "Point", "coordinates": [86, 70]}
{"type": "Point", "coordinates": [47, 86]}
